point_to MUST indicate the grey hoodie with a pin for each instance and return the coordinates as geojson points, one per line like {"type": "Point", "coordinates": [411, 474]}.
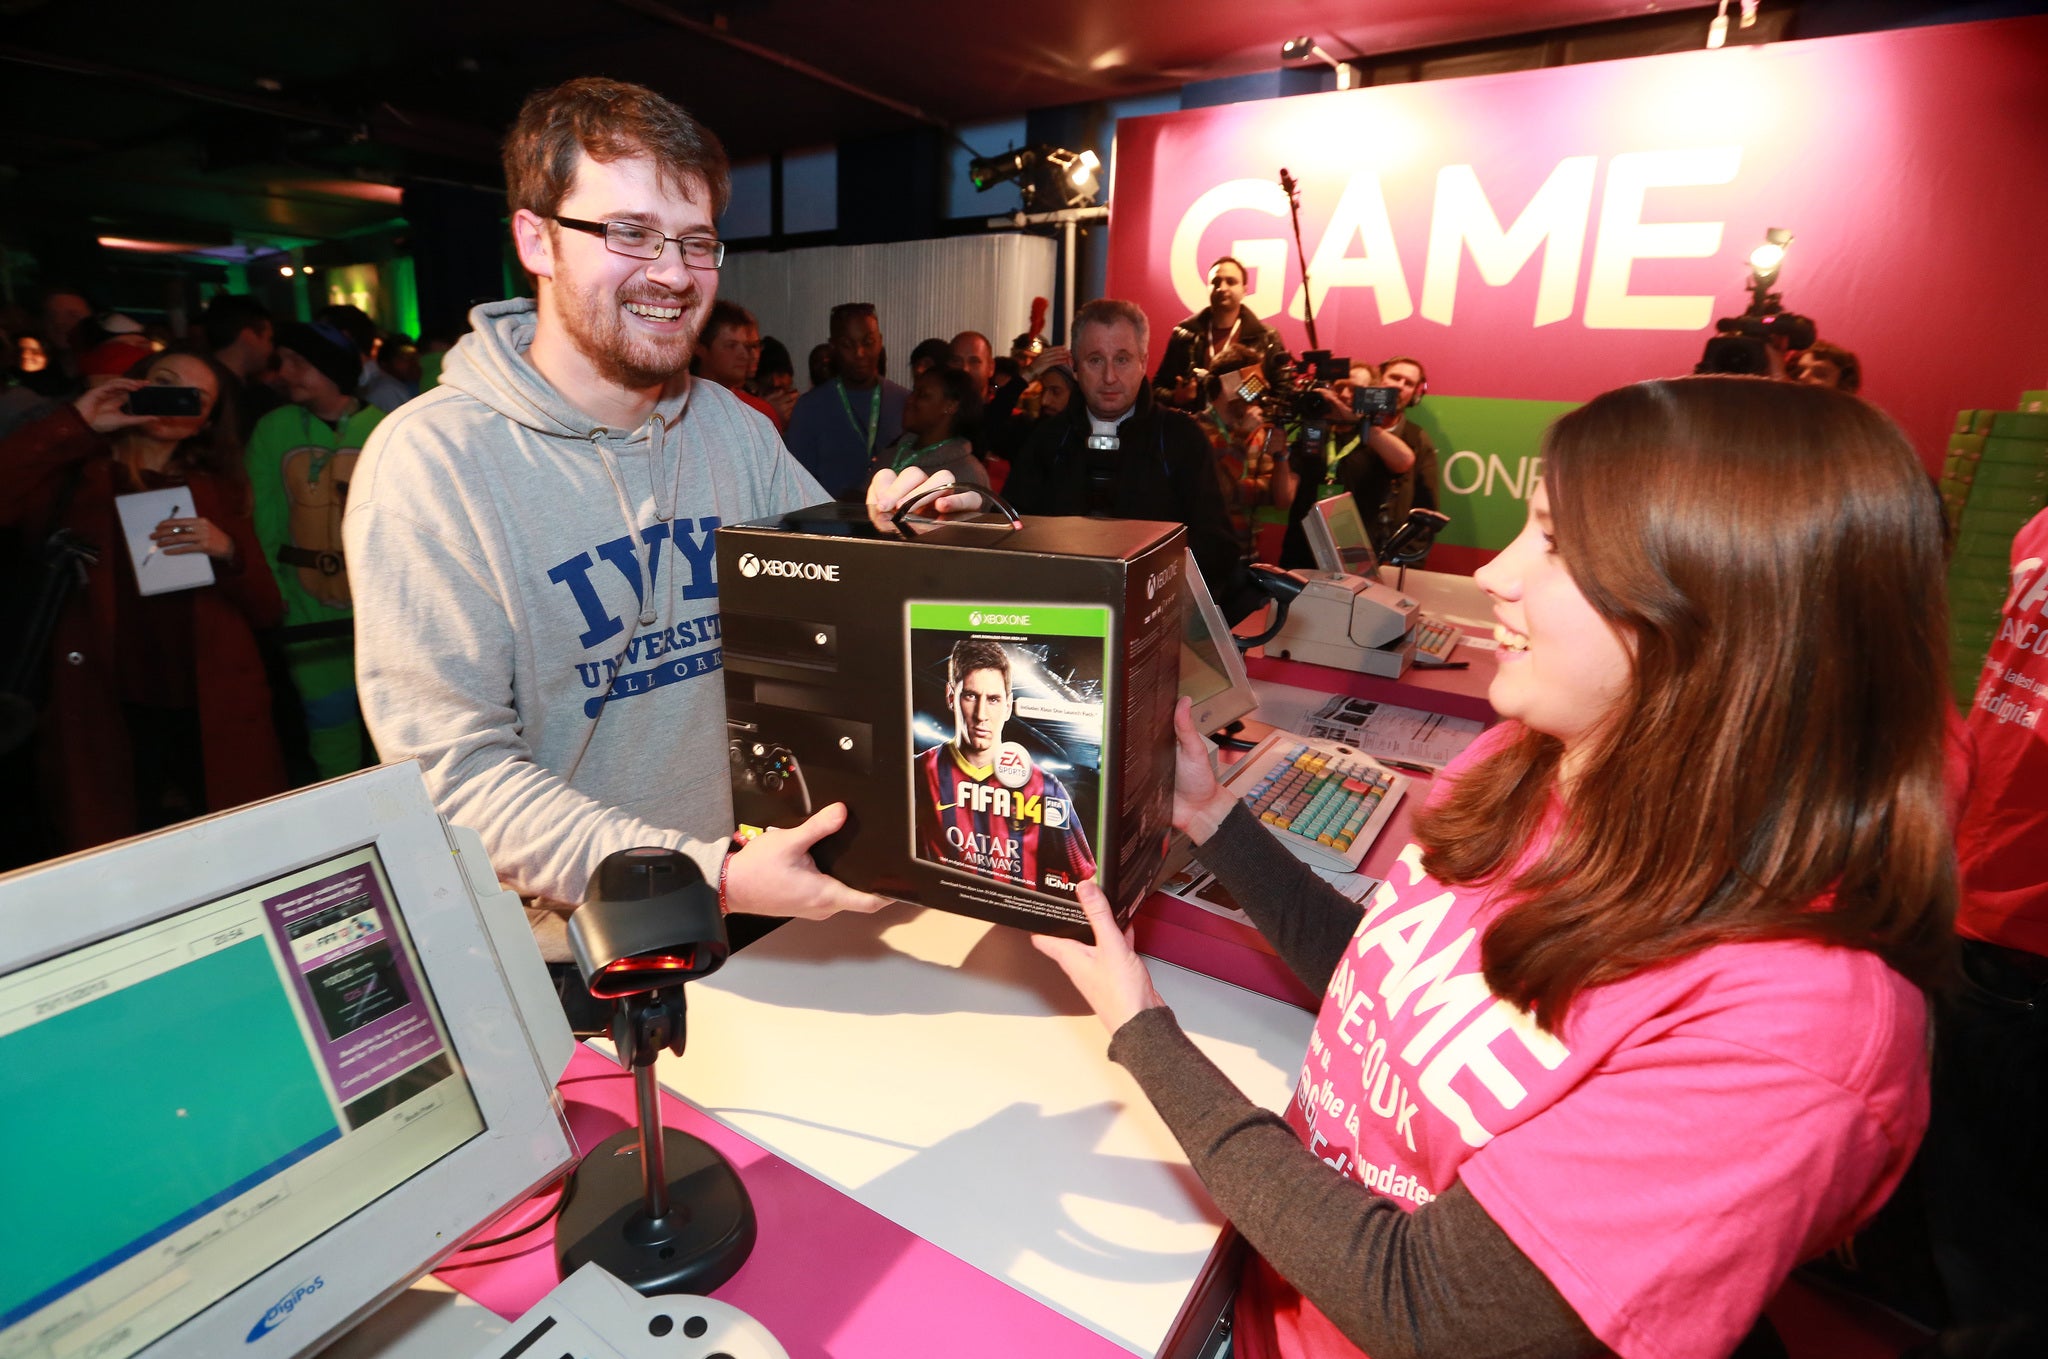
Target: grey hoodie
{"type": "Point", "coordinates": [498, 540]}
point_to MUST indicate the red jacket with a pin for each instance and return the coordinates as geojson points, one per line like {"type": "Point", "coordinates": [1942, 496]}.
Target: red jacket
{"type": "Point", "coordinates": [84, 757]}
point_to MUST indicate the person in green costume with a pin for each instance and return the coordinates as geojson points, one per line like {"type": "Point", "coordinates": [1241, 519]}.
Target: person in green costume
{"type": "Point", "coordinates": [300, 459]}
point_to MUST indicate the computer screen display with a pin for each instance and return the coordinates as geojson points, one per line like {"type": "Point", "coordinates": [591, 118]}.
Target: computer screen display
{"type": "Point", "coordinates": [259, 1072]}
{"type": "Point", "coordinates": [158, 1179]}
{"type": "Point", "coordinates": [1337, 536]}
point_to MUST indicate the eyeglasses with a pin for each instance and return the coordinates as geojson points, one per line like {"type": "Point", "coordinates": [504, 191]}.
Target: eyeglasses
{"type": "Point", "coordinates": [645, 243]}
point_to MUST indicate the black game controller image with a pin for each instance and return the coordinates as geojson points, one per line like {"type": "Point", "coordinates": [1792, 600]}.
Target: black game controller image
{"type": "Point", "coordinates": [768, 787]}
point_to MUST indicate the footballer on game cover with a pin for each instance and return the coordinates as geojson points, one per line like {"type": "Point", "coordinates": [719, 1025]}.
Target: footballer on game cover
{"type": "Point", "coordinates": [1007, 726]}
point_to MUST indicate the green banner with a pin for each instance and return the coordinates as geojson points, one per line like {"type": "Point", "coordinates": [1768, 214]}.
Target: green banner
{"type": "Point", "coordinates": [1488, 455]}
{"type": "Point", "coordinates": [1012, 619]}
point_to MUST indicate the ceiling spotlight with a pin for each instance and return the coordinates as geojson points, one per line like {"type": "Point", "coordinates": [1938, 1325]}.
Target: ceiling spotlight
{"type": "Point", "coordinates": [1046, 176]}
{"type": "Point", "coordinates": [306, 269]}
{"type": "Point", "coordinates": [284, 271]}
{"type": "Point", "coordinates": [1306, 48]}
{"type": "Point", "coordinates": [988, 171]}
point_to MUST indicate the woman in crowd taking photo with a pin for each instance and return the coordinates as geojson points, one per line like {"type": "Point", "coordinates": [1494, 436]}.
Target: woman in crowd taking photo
{"type": "Point", "coordinates": [156, 707]}
{"type": "Point", "coordinates": [1637, 1023]}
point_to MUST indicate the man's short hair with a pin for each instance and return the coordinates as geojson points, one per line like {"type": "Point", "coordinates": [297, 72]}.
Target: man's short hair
{"type": "Point", "coordinates": [725, 315]}
{"type": "Point", "coordinates": [228, 315]}
{"type": "Point", "coordinates": [1242, 272]}
{"type": "Point", "coordinates": [846, 313]}
{"type": "Point", "coordinates": [607, 120]}
{"type": "Point", "coordinates": [1845, 363]}
{"type": "Point", "coordinates": [974, 335]}
{"type": "Point", "coordinates": [1107, 311]}
{"type": "Point", "coordinates": [976, 653]}
{"type": "Point", "coordinates": [774, 360]}
{"type": "Point", "coordinates": [1416, 364]}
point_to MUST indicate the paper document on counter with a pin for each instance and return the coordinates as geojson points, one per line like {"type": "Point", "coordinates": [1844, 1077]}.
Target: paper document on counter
{"type": "Point", "coordinates": [1390, 731]}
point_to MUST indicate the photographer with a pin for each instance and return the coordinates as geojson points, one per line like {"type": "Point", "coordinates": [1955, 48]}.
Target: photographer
{"type": "Point", "coordinates": [1365, 458]}
{"type": "Point", "coordinates": [1251, 453]}
{"type": "Point", "coordinates": [1193, 348]}
{"type": "Point", "coordinates": [157, 708]}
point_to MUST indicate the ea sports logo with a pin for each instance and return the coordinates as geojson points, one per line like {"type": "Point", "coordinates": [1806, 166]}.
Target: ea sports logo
{"type": "Point", "coordinates": [1013, 765]}
{"type": "Point", "coordinates": [750, 565]}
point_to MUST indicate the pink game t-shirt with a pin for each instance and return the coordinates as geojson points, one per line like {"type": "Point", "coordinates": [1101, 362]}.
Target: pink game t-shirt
{"type": "Point", "coordinates": [1693, 1133]}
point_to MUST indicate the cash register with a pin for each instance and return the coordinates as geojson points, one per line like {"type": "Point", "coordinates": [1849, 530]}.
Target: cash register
{"type": "Point", "coordinates": [1343, 615]}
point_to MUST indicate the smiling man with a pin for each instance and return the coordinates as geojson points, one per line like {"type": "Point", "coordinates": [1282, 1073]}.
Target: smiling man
{"type": "Point", "coordinates": [531, 542]}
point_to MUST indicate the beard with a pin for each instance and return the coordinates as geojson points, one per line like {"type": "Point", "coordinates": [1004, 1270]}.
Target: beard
{"type": "Point", "coordinates": [594, 318]}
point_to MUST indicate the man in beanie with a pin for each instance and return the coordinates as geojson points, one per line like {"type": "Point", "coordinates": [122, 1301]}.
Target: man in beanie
{"type": "Point", "coordinates": [301, 457]}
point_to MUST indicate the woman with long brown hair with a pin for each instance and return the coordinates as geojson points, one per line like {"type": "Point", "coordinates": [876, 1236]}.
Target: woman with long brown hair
{"type": "Point", "coordinates": [1637, 1023]}
{"type": "Point", "coordinates": [157, 705]}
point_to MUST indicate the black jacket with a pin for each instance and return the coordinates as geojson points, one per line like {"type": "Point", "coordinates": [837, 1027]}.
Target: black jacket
{"type": "Point", "coordinates": [1193, 332]}
{"type": "Point", "coordinates": [1162, 469]}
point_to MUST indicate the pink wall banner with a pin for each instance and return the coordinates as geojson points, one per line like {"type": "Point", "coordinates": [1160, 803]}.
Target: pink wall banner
{"type": "Point", "coordinates": [1543, 236]}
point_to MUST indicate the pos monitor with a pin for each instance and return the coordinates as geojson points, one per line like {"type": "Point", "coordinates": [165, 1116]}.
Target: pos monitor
{"type": "Point", "coordinates": [260, 1071]}
{"type": "Point", "coordinates": [1212, 674]}
{"type": "Point", "coordinates": [1337, 536]}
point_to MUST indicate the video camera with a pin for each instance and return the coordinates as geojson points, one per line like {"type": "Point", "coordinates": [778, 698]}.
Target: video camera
{"type": "Point", "coordinates": [1292, 392]}
{"type": "Point", "coordinates": [1742, 344]}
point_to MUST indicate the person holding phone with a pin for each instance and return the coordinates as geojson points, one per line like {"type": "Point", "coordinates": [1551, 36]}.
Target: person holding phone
{"type": "Point", "coordinates": [1637, 1023]}
{"type": "Point", "coordinates": [157, 705]}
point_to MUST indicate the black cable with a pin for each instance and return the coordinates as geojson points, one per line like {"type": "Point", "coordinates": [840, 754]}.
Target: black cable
{"type": "Point", "coordinates": [554, 1211]}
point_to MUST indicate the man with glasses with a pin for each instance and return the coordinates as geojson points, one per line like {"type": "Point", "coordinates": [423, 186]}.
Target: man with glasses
{"type": "Point", "coordinates": [838, 426]}
{"type": "Point", "coordinates": [531, 542]}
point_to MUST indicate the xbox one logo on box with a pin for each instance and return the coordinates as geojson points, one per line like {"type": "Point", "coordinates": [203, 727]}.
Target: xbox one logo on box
{"type": "Point", "coordinates": [974, 619]}
{"type": "Point", "coordinates": [751, 566]}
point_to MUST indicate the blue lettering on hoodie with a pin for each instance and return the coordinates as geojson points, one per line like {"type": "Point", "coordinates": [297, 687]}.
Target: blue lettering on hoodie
{"type": "Point", "coordinates": [609, 675]}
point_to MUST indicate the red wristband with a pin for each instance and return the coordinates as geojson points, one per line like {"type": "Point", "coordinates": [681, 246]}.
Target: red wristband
{"type": "Point", "coordinates": [737, 844]}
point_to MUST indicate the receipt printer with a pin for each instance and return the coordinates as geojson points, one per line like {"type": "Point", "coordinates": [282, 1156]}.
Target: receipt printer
{"type": "Point", "coordinates": [1348, 622]}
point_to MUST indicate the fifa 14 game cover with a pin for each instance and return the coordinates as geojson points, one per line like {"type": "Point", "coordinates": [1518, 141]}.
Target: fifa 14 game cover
{"type": "Point", "coordinates": [1006, 725]}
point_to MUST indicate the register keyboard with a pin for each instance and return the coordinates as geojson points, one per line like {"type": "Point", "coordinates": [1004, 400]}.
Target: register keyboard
{"type": "Point", "coordinates": [1324, 801]}
{"type": "Point", "coordinates": [1435, 640]}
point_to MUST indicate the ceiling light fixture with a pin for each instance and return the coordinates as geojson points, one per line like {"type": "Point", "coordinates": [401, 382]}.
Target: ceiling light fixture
{"type": "Point", "coordinates": [1305, 48]}
{"type": "Point", "coordinates": [1046, 176]}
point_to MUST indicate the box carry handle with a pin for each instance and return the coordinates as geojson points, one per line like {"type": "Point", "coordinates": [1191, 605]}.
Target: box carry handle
{"type": "Point", "coordinates": [989, 500]}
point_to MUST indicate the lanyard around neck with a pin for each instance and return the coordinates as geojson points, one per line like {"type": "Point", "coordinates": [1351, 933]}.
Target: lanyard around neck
{"type": "Point", "coordinates": [909, 456]}
{"type": "Point", "coordinates": [874, 413]}
{"type": "Point", "coordinates": [1228, 340]}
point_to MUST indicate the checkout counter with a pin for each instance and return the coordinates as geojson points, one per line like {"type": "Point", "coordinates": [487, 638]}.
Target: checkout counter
{"type": "Point", "coordinates": [942, 1159]}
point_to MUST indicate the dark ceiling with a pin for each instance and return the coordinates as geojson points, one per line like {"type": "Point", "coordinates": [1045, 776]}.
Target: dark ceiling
{"type": "Point", "coordinates": [239, 120]}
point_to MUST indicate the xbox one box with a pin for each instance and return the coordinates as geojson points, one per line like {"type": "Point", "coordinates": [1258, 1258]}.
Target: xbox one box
{"type": "Point", "coordinates": [993, 704]}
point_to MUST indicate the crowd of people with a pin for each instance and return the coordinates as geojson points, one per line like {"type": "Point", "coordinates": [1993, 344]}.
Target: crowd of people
{"type": "Point", "coordinates": [1720, 1045]}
